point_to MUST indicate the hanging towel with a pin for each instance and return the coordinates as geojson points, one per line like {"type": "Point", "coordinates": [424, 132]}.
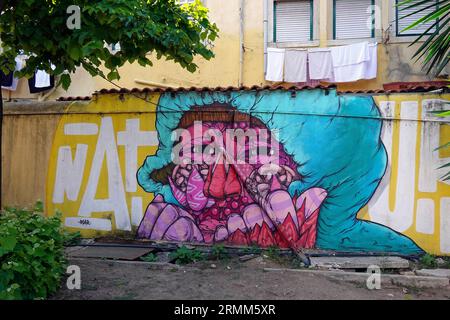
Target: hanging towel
{"type": "Point", "coordinates": [295, 65]}
{"type": "Point", "coordinates": [372, 64]}
{"type": "Point", "coordinates": [320, 64]}
{"type": "Point", "coordinates": [11, 82]}
{"type": "Point", "coordinates": [35, 89]}
{"type": "Point", "coordinates": [6, 79]}
{"type": "Point", "coordinates": [275, 64]}
{"type": "Point", "coordinates": [42, 79]}
{"type": "Point", "coordinates": [350, 62]}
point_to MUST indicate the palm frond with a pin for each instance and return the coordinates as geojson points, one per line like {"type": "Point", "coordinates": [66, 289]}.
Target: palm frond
{"type": "Point", "coordinates": [435, 49]}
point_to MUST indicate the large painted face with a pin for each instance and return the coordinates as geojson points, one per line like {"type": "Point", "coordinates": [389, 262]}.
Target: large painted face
{"type": "Point", "coordinates": [230, 180]}
{"type": "Point", "coordinates": [326, 162]}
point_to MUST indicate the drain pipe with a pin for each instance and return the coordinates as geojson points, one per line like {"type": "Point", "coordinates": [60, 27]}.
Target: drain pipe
{"type": "Point", "coordinates": [266, 32]}
{"type": "Point", "coordinates": [241, 43]}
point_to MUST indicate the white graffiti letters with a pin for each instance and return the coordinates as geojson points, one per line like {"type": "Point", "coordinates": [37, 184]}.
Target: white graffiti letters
{"type": "Point", "coordinates": [71, 170]}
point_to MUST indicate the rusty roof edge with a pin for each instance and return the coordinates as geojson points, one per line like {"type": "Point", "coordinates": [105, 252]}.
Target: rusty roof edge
{"type": "Point", "coordinates": [211, 89]}
{"type": "Point", "coordinates": [413, 89]}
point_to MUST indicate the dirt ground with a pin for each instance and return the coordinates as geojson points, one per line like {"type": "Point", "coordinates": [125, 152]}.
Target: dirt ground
{"type": "Point", "coordinates": [229, 279]}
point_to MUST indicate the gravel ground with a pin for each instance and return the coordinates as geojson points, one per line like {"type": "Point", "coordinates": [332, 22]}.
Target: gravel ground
{"type": "Point", "coordinates": [229, 279]}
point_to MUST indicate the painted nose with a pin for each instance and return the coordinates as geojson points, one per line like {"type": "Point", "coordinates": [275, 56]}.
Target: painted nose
{"type": "Point", "coordinates": [221, 183]}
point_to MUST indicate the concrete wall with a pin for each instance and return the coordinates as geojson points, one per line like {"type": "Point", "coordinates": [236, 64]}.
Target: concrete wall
{"type": "Point", "coordinates": [357, 172]}
{"type": "Point", "coordinates": [224, 70]}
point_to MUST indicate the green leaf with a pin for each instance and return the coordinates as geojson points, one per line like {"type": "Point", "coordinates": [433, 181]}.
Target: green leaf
{"type": "Point", "coordinates": [444, 114]}
{"type": "Point", "coordinates": [65, 81]}
{"type": "Point", "coordinates": [447, 145]}
{"type": "Point", "coordinates": [8, 243]}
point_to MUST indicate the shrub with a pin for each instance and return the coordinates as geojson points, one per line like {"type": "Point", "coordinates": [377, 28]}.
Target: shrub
{"type": "Point", "coordinates": [32, 259]}
{"type": "Point", "coordinates": [184, 255]}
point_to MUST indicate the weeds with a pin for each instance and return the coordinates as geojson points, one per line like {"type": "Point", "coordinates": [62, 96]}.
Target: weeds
{"type": "Point", "coordinates": [218, 252]}
{"type": "Point", "coordinates": [273, 253]}
{"type": "Point", "coordinates": [184, 255]}
{"type": "Point", "coordinates": [430, 261]}
{"type": "Point", "coordinates": [254, 249]}
{"type": "Point", "coordinates": [151, 257]}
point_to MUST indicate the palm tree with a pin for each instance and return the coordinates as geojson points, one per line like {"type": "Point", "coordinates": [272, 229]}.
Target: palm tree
{"type": "Point", "coordinates": [435, 48]}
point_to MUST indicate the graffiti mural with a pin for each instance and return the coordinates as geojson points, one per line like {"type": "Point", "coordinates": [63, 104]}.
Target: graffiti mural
{"type": "Point", "coordinates": [309, 168]}
{"type": "Point", "coordinates": [220, 198]}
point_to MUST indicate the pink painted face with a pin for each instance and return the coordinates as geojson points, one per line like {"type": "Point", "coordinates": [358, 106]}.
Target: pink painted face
{"type": "Point", "coordinates": [234, 188]}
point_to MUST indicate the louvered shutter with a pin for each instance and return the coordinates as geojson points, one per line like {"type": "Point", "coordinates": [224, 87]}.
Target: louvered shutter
{"type": "Point", "coordinates": [293, 20]}
{"type": "Point", "coordinates": [351, 19]}
{"type": "Point", "coordinates": [403, 23]}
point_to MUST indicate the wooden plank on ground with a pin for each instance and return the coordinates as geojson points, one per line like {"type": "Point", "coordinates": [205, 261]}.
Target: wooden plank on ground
{"type": "Point", "coordinates": [360, 262]}
{"type": "Point", "coordinates": [110, 252]}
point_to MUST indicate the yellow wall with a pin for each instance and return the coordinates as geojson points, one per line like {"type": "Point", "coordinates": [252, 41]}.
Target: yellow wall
{"type": "Point", "coordinates": [394, 54]}
{"type": "Point", "coordinates": [411, 199]}
{"type": "Point", "coordinates": [417, 201]}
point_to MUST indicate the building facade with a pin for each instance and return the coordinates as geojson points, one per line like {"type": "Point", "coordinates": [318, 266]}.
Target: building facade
{"type": "Point", "coordinates": [249, 27]}
{"type": "Point", "coordinates": [359, 166]}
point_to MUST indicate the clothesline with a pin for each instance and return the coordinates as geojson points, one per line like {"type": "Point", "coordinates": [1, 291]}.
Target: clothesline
{"type": "Point", "coordinates": [40, 82]}
{"type": "Point", "coordinates": [336, 64]}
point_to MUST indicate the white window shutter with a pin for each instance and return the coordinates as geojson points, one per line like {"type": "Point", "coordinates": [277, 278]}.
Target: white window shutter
{"type": "Point", "coordinates": [293, 21]}
{"type": "Point", "coordinates": [403, 23]}
{"type": "Point", "coordinates": [353, 19]}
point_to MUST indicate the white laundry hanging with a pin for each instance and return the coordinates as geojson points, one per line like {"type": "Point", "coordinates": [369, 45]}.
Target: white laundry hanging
{"type": "Point", "coordinates": [43, 78]}
{"type": "Point", "coordinates": [275, 64]}
{"type": "Point", "coordinates": [295, 65]}
{"type": "Point", "coordinates": [320, 64]}
{"type": "Point", "coordinates": [350, 62]}
{"type": "Point", "coordinates": [372, 64]}
{"type": "Point", "coordinates": [19, 65]}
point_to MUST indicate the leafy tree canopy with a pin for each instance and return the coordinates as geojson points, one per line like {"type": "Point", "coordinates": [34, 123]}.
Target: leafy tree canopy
{"type": "Point", "coordinates": [38, 29]}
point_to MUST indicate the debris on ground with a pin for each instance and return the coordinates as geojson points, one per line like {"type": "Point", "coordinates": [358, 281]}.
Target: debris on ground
{"type": "Point", "coordinates": [397, 271]}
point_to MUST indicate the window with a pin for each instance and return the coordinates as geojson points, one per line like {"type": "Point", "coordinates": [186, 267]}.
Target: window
{"type": "Point", "coordinates": [353, 19]}
{"type": "Point", "coordinates": [293, 21]}
{"type": "Point", "coordinates": [403, 23]}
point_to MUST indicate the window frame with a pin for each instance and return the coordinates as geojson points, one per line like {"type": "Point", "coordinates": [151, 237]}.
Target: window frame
{"type": "Point", "coordinates": [373, 22]}
{"type": "Point", "coordinates": [397, 31]}
{"type": "Point", "coordinates": [311, 21]}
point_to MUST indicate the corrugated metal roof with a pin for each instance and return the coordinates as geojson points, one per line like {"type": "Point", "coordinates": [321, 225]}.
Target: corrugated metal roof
{"type": "Point", "coordinates": [410, 88]}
